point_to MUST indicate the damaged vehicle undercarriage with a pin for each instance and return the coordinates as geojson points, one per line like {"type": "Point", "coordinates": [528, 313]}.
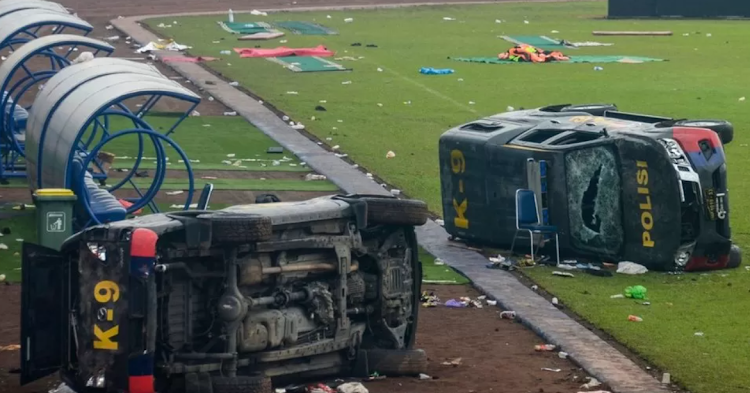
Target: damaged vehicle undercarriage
{"type": "Point", "coordinates": [614, 186]}
{"type": "Point", "coordinates": [223, 301]}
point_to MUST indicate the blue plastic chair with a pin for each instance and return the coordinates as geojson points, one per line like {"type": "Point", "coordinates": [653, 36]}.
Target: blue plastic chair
{"type": "Point", "coordinates": [527, 220]}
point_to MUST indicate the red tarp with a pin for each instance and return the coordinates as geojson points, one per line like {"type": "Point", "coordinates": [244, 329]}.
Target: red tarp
{"type": "Point", "coordinates": [282, 51]}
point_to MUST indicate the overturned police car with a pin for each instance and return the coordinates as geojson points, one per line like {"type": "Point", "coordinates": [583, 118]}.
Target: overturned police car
{"type": "Point", "coordinates": [224, 301]}
{"type": "Point", "coordinates": [614, 186]}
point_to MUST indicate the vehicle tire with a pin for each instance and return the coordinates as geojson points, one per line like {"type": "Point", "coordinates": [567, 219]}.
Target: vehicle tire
{"type": "Point", "coordinates": [735, 257]}
{"type": "Point", "coordinates": [239, 228]}
{"type": "Point", "coordinates": [397, 362]}
{"type": "Point", "coordinates": [723, 128]}
{"type": "Point", "coordinates": [198, 383]}
{"type": "Point", "coordinates": [592, 109]}
{"type": "Point", "coordinates": [393, 211]}
{"type": "Point", "coordinates": [242, 384]}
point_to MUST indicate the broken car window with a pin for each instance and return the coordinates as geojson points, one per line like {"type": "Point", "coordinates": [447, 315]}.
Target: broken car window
{"type": "Point", "coordinates": [594, 199]}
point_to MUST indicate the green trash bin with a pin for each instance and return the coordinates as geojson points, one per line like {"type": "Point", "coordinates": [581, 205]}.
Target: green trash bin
{"type": "Point", "coordinates": [54, 216]}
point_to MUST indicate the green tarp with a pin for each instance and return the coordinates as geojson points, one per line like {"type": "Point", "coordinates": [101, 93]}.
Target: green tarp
{"type": "Point", "coordinates": [539, 41]}
{"type": "Point", "coordinates": [573, 59]}
{"type": "Point", "coordinates": [305, 28]}
{"type": "Point", "coordinates": [308, 64]}
{"type": "Point", "coordinates": [245, 27]}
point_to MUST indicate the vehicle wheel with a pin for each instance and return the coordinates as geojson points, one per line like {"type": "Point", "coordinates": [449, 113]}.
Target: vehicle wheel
{"type": "Point", "coordinates": [198, 383]}
{"type": "Point", "coordinates": [239, 228]}
{"type": "Point", "coordinates": [592, 109]}
{"type": "Point", "coordinates": [395, 211]}
{"type": "Point", "coordinates": [723, 128]}
{"type": "Point", "coordinates": [242, 384]}
{"type": "Point", "coordinates": [397, 362]}
{"type": "Point", "coordinates": [735, 257]}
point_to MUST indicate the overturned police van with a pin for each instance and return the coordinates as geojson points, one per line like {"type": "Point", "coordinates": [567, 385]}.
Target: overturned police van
{"type": "Point", "coordinates": [224, 301]}
{"type": "Point", "coordinates": [615, 186]}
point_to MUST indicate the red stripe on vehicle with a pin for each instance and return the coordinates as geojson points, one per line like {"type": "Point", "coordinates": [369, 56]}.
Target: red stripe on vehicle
{"type": "Point", "coordinates": [142, 384]}
{"type": "Point", "coordinates": [689, 137]}
{"type": "Point", "coordinates": [143, 243]}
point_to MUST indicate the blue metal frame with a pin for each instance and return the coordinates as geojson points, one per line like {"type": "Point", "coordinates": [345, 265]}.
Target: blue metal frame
{"type": "Point", "coordinates": [12, 150]}
{"type": "Point", "coordinates": [147, 199]}
{"type": "Point", "coordinates": [13, 38]}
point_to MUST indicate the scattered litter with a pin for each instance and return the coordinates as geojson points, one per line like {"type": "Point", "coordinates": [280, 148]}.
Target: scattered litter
{"type": "Point", "coordinates": [562, 274]}
{"type": "Point", "coordinates": [2, 276]}
{"type": "Point", "coordinates": [591, 383]}
{"type": "Point", "coordinates": [258, 13]}
{"type": "Point", "coordinates": [508, 315]}
{"type": "Point", "coordinates": [436, 71]}
{"type": "Point", "coordinates": [192, 206]}
{"type": "Point", "coordinates": [368, 174]}
{"type": "Point", "coordinates": [526, 22]}
{"type": "Point", "coordinates": [196, 113]}
{"type": "Point", "coordinates": [555, 301]}
{"type": "Point", "coordinates": [235, 84]}
{"type": "Point", "coordinates": [510, 109]}
{"type": "Point", "coordinates": [666, 378]}
{"type": "Point", "coordinates": [231, 155]}
{"type": "Point", "coordinates": [346, 82]}
{"type": "Point", "coordinates": [83, 57]}
{"type": "Point", "coordinates": [534, 287]}
{"type": "Point", "coordinates": [646, 303]}
{"type": "Point", "coordinates": [699, 334]}
{"type": "Point", "coordinates": [380, 105]}
{"type": "Point", "coordinates": [112, 38]}
{"type": "Point", "coordinates": [545, 347]}
{"type": "Point", "coordinates": [631, 268]}
{"type": "Point", "coordinates": [328, 16]}
{"type": "Point", "coordinates": [380, 69]}
{"type": "Point", "coordinates": [453, 362]}
{"type": "Point", "coordinates": [429, 300]}
{"type": "Point", "coordinates": [226, 52]}
{"type": "Point", "coordinates": [709, 35]}
{"type": "Point", "coordinates": [319, 388]}
{"type": "Point", "coordinates": [407, 102]}
{"type": "Point", "coordinates": [618, 296]}
{"type": "Point", "coordinates": [11, 347]}
{"type": "Point", "coordinates": [424, 377]}
{"type": "Point", "coordinates": [348, 20]}
{"type": "Point", "coordinates": [298, 126]}
{"type": "Point", "coordinates": [455, 303]}
{"type": "Point", "coordinates": [562, 355]}
{"type": "Point", "coordinates": [19, 240]}
{"type": "Point", "coordinates": [351, 387]}
{"type": "Point", "coordinates": [395, 192]}
{"type": "Point", "coordinates": [390, 154]}
{"type": "Point", "coordinates": [635, 33]}
{"type": "Point", "coordinates": [634, 318]}
{"type": "Point", "coordinates": [335, 147]}
{"type": "Point", "coordinates": [742, 98]}
{"type": "Point", "coordinates": [590, 43]}
{"type": "Point", "coordinates": [439, 262]}
{"type": "Point", "coordinates": [472, 102]}
{"type": "Point", "coordinates": [109, 27]}
{"type": "Point", "coordinates": [554, 32]}
{"type": "Point", "coordinates": [177, 192]}
{"type": "Point", "coordinates": [448, 18]}
{"type": "Point", "coordinates": [230, 113]}
{"type": "Point", "coordinates": [3, 246]}
{"type": "Point", "coordinates": [314, 176]}
{"type": "Point", "coordinates": [597, 68]}
{"type": "Point", "coordinates": [554, 370]}
{"type": "Point", "coordinates": [492, 302]}
{"type": "Point", "coordinates": [498, 21]}
{"type": "Point", "coordinates": [636, 292]}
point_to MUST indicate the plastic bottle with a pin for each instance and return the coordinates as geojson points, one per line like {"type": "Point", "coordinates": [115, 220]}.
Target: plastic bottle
{"type": "Point", "coordinates": [231, 16]}
{"type": "Point", "coordinates": [545, 348]}
{"type": "Point", "coordinates": [634, 318]}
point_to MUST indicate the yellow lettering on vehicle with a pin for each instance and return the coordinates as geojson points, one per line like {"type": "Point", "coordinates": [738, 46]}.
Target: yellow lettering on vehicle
{"type": "Point", "coordinates": [458, 166]}
{"type": "Point", "coordinates": [106, 292]}
{"type": "Point", "coordinates": [104, 338]}
{"type": "Point", "coordinates": [647, 219]}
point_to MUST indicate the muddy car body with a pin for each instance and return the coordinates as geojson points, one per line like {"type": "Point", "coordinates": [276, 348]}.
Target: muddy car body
{"type": "Point", "coordinates": [226, 300]}
{"type": "Point", "coordinates": [617, 186]}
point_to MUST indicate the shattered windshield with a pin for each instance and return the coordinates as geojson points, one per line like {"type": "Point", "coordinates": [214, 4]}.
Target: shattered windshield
{"type": "Point", "coordinates": [594, 199]}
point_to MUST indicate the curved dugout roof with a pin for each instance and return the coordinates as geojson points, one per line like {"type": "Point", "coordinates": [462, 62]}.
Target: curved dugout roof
{"type": "Point", "coordinates": [56, 90]}
{"type": "Point", "coordinates": [8, 7]}
{"type": "Point", "coordinates": [17, 22]}
{"type": "Point", "coordinates": [67, 123]}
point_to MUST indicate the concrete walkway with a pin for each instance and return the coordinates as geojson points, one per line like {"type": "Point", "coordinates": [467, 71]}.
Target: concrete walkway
{"type": "Point", "coordinates": [592, 353]}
